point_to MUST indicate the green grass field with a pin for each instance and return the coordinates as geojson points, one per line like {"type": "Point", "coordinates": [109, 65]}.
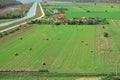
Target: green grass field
{"type": "Point", "coordinates": [80, 9]}
{"type": "Point", "coordinates": [70, 49]}
{"type": "Point", "coordinates": [66, 49]}
{"type": "Point", "coordinates": [52, 51]}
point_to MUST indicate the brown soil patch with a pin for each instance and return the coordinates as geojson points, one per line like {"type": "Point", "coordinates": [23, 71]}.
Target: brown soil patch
{"type": "Point", "coordinates": [88, 79]}
{"type": "Point", "coordinates": [103, 44]}
{"type": "Point", "coordinates": [28, 27]}
{"type": "Point", "coordinates": [17, 7]}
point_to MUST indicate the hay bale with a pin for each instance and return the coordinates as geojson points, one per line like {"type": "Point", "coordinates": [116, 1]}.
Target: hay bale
{"type": "Point", "coordinates": [16, 54]}
{"type": "Point", "coordinates": [43, 63]}
{"type": "Point", "coordinates": [91, 51]}
{"type": "Point", "coordinates": [103, 27]}
{"type": "Point", "coordinates": [106, 10]}
{"type": "Point", "coordinates": [82, 41]}
{"type": "Point", "coordinates": [21, 38]}
{"type": "Point", "coordinates": [58, 38]}
{"type": "Point", "coordinates": [47, 39]}
{"type": "Point", "coordinates": [30, 49]}
{"type": "Point", "coordinates": [112, 6]}
{"type": "Point", "coordinates": [110, 50]}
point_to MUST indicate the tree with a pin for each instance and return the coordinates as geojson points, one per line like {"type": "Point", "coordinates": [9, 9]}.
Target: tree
{"type": "Point", "coordinates": [1, 35]}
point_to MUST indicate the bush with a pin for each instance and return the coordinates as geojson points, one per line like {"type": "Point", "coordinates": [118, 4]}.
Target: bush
{"type": "Point", "coordinates": [1, 35]}
{"type": "Point", "coordinates": [106, 34]}
{"type": "Point", "coordinates": [5, 33]}
{"type": "Point", "coordinates": [57, 23]}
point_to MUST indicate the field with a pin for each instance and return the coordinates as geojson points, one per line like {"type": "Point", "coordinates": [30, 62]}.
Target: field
{"type": "Point", "coordinates": [69, 51]}
{"type": "Point", "coordinates": [62, 48]}
{"type": "Point", "coordinates": [80, 10]}
{"type": "Point", "coordinates": [63, 41]}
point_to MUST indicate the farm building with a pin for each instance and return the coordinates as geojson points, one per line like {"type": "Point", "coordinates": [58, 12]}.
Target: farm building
{"type": "Point", "coordinates": [84, 19]}
{"type": "Point", "coordinates": [61, 18]}
{"type": "Point", "coordinates": [55, 11]}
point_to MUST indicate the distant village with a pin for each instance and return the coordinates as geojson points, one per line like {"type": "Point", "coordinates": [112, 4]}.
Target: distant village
{"type": "Point", "coordinates": [83, 20]}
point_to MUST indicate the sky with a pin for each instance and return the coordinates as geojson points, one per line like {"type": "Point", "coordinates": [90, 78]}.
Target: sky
{"type": "Point", "coordinates": [29, 0]}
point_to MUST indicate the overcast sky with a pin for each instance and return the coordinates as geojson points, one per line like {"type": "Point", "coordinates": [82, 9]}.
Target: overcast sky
{"type": "Point", "coordinates": [28, 0]}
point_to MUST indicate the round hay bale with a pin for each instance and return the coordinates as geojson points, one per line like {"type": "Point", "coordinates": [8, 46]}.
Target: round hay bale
{"type": "Point", "coordinates": [103, 27]}
{"type": "Point", "coordinates": [110, 50]}
{"type": "Point", "coordinates": [30, 49]}
{"type": "Point", "coordinates": [43, 63]}
{"type": "Point", "coordinates": [58, 38]}
{"type": "Point", "coordinates": [91, 51]}
{"type": "Point", "coordinates": [82, 41]}
{"type": "Point", "coordinates": [106, 10]}
{"type": "Point", "coordinates": [21, 38]}
{"type": "Point", "coordinates": [16, 54]}
{"type": "Point", "coordinates": [112, 6]}
{"type": "Point", "coordinates": [47, 39]}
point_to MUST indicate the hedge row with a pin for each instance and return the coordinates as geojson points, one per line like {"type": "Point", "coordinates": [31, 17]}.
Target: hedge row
{"type": "Point", "coordinates": [4, 33]}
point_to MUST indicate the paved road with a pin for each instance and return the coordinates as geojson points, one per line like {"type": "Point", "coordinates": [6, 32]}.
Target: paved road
{"type": "Point", "coordinates": [30, 15]}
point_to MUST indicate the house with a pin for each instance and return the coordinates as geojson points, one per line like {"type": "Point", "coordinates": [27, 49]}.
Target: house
{"type": "Point", "coordinates": [84, 19]}
{"type": "Point", "coordinates": [61, 18]}
{"type": "Point", "coordinates": [55, 11]}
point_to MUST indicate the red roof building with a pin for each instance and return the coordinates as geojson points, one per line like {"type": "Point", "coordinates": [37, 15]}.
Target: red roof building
{"type": "Point", "coordinates": [61, 18]}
